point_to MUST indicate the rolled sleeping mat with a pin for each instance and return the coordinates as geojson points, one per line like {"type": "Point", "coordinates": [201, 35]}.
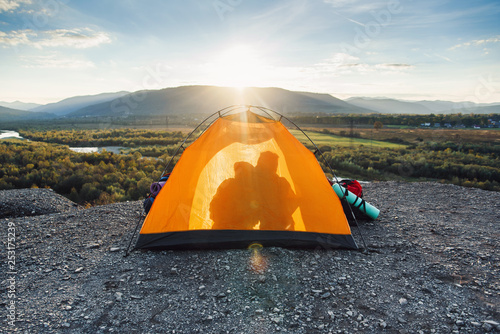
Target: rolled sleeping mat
{"type": "Point", "coordinates": [156, 186]}
{"type": "Point", "coordinates": [355, 201]}
{"type": "Point", "coordinates": [155, 189]}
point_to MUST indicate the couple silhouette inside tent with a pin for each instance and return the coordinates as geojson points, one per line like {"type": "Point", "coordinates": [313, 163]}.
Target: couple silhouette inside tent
{"type": "Point", "coordinates": [256, 194]}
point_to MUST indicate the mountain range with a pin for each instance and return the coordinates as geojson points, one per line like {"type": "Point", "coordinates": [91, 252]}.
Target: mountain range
{"type": "Point", "coordinates": [391, 106]}
{"type": "Point", "coordinates": [71, 104]}
{"type": "Point", "coordinates": [19, 105]}
{"type": "Point", "coordinates": [209, 99]}
{"type": "Point", "coordinates": [9, 115]}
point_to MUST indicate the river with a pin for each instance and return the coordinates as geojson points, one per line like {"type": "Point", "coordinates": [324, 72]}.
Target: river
{"type": "Point", "coordinates": [5, 134]}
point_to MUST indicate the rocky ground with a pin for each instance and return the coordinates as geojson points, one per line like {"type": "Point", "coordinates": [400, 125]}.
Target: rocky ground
{"type": "Point", "coordinates": [432, 267]}
{"type": "Point", "coordinates": [32, 202]}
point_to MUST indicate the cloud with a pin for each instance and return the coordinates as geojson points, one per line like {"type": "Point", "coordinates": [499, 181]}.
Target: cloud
{"type": "Point", "coordinates": [397, 67]}
{"type": "Point", "coordinates": [77, 38]}
{"type": "Point", "coordinates": [356, 6]}
{"type": "Point", "coordinates": [340, 3]}
{"type": "Point", "coordinates": [55, 61]}
{"type": "Point", "coordinates": [341, 59]}
{"type": "Point", "coordinates": [14, 38]}
{"type": "Point", "coordinates": [343, 63]}
{"type": "Point", "coordinates": [477, 42]}
{"type": "Point", "coordinates": [74, 38]}
{"type": "Point", "coordinates": [11, 5]}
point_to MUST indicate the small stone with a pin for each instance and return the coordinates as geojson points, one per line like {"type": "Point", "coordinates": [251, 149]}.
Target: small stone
{"type": "Point", "coordinates": [487, 327]}
{"type": "Point", "coordinates": [403, 301]}
{"type": "Point", "coordinates": [119, 296]}
{"type": "Point", "coordinates": [491, 322]}
{"type": "Point", "coordinates": [114, 249]}
{"type": "Point", "coordinates": [259, 311]}
{"type": "Point", "coordinates": [66, 324]}
{"type": "Point", "coordinates": [78, 270]}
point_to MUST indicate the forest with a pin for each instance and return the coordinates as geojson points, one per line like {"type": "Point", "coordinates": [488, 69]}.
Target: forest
{"type": "Point", "coordinates": [453, 120]}
{"type": "Point", "coordinates": [100, 178]}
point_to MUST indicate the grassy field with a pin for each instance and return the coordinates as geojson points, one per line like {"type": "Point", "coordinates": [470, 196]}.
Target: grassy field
{"type": "Point", "coordinates": [323, 139]}
{"type": "Point", "coordinates": [410, 135]}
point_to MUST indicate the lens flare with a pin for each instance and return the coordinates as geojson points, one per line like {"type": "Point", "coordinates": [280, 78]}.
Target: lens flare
{"type": "Point", "coordinates": [258, 263]}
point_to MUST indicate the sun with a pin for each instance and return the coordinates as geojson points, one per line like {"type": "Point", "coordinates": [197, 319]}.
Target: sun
{"type": "Point", "coordinates": [238, 66]}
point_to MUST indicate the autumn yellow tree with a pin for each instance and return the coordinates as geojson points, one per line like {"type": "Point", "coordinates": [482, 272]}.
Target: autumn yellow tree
{"type": "Point", "coordinates": [378, 125]}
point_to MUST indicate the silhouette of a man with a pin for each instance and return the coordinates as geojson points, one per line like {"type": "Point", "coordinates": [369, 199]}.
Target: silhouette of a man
{"type": "Point", "coordinates": [275, 197]}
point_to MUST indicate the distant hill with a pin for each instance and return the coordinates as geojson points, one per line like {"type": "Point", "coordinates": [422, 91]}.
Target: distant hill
{"type": "Point", "coordinates": [440, 106]}
{"type": "Point", "coordinates": [390, 106]}
{"type": "Point", "coordinates": [208, 99]}
{"type": "Point", "coordinates": [478, 109]}
{"type": "Point", "coordinates": [19, 105]}
{"type": "Point", "coordinates": [71, 104]}
{"type": "Point", "coordinates": [9, 115]}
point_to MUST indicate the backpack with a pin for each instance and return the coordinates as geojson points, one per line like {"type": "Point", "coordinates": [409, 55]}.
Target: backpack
{"type": "Point", "coordinates": [353, 186]}
{"type": "Point", "coordinates": [148, 202]}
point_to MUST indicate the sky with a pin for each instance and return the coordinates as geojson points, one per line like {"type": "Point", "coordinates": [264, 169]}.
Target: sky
{"type": "Point", "coordinates": [402, 49]}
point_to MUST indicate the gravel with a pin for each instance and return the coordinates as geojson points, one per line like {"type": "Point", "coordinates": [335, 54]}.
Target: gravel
{"type": "Point", "coordinates": [432, 267]}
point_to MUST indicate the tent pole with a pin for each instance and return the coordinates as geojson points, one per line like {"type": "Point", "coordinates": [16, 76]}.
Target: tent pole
{"type": "Point", "coordinates": [219, 113]}
{"type": "Point", "coordinates": [356, 223]}
{"type": "Point", "coordinates": [133, 235]}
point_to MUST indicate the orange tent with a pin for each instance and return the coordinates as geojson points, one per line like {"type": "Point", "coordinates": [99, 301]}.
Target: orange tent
{"type": "Point", "coordinates": [246, 179]}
